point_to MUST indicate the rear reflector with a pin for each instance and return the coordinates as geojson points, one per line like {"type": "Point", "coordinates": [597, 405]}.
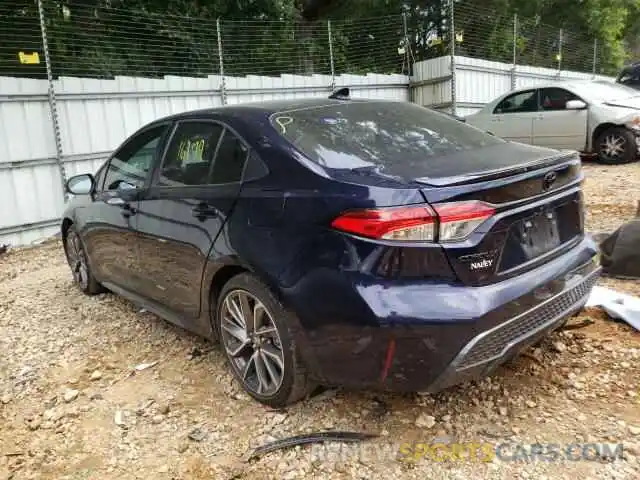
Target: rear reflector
{"type": "Point", "coordinates": [451, 221]}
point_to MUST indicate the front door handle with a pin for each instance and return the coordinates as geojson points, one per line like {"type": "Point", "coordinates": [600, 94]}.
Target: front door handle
{"type": "Point", "coordinates": [127, 209]}
{"type": "Point", "coordinates": [115, 201]}
{"type": "Point", "coordinates": [204, 210]}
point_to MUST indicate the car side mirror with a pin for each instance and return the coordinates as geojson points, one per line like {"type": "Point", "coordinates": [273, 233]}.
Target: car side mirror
{"type": "Point", "coordinates": [127, 191]}
{"type": "Point", "coordinates": [80, 184]}
{"type": "Point", "coordinates": [575, 105]}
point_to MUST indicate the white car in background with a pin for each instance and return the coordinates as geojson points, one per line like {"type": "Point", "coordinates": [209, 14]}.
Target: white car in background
{"type": "Point", "coordinates": [596, 118]}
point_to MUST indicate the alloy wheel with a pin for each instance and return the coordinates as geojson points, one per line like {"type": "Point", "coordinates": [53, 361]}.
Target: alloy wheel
{"type": "Point", "coordinates": [613, 146]}
{"type": "Point", "coordinates": [77, 260]}
{"type": "Point", "coordinates": [252, 342]}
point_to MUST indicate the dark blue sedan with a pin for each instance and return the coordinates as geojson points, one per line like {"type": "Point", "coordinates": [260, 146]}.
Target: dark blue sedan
{"type": "Point", "coordinates": [337, 242]}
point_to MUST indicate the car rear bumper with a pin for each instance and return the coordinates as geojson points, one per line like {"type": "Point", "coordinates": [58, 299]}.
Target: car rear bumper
{"type": "Point", "coordinates": [491, 348]}
{"type": "Point", "coordinates": [429, 337]}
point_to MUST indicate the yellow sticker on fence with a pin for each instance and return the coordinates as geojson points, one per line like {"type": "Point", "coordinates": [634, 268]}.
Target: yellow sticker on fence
{"type": "Point", "coordinates": [29, 58]}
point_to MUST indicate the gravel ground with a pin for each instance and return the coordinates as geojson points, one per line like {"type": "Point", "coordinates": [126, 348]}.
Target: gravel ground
{"type": "Point", "coordinates": [70, 407]}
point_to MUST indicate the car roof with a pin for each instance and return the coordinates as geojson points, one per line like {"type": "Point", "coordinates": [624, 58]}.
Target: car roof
{"type": "Point", "coordinates": [264, 108]}
{"type": "Point", "coordinates": [569, 84]}
{"type": "Point", "coordinates": [563, 84]}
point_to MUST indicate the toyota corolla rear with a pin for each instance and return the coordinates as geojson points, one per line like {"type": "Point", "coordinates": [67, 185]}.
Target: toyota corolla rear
{"type": "Point", "coordinates": [427, 251]}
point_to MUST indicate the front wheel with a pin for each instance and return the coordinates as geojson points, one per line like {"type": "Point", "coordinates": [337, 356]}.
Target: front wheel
{"type": "Point", "coordinates": [79, 263]}
{"type": "Point", "coordinates": [254, 331]}
{"type": "Point", "coordinates": [616, 146]}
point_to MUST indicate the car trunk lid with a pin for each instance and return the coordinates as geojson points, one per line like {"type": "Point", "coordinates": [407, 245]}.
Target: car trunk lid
{"type": "Point", "coordinates": [538, 213]}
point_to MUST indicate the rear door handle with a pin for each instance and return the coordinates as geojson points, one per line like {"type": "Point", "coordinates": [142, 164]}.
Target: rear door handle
{"type": "Point", "coordinates": [204, 210]}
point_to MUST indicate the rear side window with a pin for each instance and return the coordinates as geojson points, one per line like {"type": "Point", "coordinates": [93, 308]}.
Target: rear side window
{"type": "Point", "coordinates": [392, 135]}
{"type": "Point", "coordinates": [555, 98]}
{"type": "Point", "coordinates": [230, 159]}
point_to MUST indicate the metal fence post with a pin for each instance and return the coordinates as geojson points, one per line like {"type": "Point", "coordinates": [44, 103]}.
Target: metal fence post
{"type": "Point", "coordinates": [223, 83]}
{"type": "Point", "coordinates": [515, 51]}
{"type": "Point", "coordinates": [560, 38]}
{"type": "Point", "coordinates": [407, 53]}
{"type": "Point", "coordinates": [452, 33]}
{"type": "Point", "coordinates": [595, 55]}
{"type": "Point", "coordinates": [333, 71]}
{"type": "Point", "coordinates": [55, 122]}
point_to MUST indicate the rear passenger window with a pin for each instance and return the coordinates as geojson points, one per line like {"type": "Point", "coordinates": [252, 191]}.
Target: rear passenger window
{"type": "Point", "coordinates": [556, 98]}
{"type": "Point", "coordinates": [230, 159]}
{"type": "Point", "coordinates": [189, 159]}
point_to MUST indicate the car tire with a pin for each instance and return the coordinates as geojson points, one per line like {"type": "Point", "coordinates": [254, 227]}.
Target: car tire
{"type": "Point", "coordinates": [623, 140]}
{"type": "Point", "coordinates": [79, 263]}
{"type": "Point", "coordinates": [267, 364]}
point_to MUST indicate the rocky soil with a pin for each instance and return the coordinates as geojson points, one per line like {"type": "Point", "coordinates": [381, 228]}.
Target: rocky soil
{"type": "Point", "coordinates": [94, 388]}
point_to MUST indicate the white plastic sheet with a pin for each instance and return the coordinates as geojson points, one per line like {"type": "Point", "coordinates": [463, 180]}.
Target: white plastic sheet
{"type": "Point", "coordinates": [617, 305]}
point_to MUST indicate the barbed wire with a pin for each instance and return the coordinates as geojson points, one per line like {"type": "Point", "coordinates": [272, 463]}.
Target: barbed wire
{"type": "Point", "coordinates": [103, 42]}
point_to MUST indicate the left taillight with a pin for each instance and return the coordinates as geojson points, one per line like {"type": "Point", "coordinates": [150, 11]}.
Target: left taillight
{"type": "Point", "coordinates": [414, 223]}
{"type": "Point", "coordinates": [445, 222]}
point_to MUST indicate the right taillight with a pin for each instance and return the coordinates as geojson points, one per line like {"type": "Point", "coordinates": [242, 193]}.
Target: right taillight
{"type": "Point", "coordinates": [445, 222]}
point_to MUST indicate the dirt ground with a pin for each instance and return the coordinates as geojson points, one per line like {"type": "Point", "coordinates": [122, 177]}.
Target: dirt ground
{"type": "Point", "coordinates": [70, 408]}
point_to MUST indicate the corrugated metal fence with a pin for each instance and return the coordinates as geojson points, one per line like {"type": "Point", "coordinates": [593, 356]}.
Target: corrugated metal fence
{"type": "Point", "coordinates": [465, 84]}
{"type": "Point", "coordinates": [96, 115]}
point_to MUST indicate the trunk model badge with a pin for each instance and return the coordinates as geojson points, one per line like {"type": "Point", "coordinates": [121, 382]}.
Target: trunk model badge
{"type": "Point", "coordinates": [482, 264]}
{"type": "Point", "coordinates": [479, 261]}
{"type": "Point", "coordinates": [548, 180]}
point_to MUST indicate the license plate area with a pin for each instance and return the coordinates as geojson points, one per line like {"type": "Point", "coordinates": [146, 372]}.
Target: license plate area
{"type": "Point", "coordinates": [539, 233]}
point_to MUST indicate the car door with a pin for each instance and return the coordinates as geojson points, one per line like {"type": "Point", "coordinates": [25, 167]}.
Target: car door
{"type": "Point", "coordinates": [111, 219]}
{"type": "Point", "coordinates": [557, 127]}
{"type": "Point", "coordinates": [180, 216]}
{"type": "Point", "coordinates": [512, 119]}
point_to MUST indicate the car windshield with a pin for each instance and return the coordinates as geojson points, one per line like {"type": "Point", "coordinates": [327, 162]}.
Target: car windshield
{"type": "Point", "coordinates": [393, 136]}
{"type": "Point", "coordinates": [605, 91]}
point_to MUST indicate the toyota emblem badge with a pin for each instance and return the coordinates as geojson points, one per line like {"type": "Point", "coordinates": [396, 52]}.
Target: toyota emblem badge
{"type": "Point", "coordinates": [549, 180]}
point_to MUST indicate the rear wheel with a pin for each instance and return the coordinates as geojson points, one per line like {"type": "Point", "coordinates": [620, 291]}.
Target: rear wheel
{"type": "Point", "coordinates": [616, 145]}
{"type": "Point", "coordinates": [79, 263]}
{"type": "Point", "coordinates": [255, 332]}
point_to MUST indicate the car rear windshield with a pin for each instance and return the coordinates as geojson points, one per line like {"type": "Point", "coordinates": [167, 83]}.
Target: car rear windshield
{"type": "Point", "coordinates": [399, 138]}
